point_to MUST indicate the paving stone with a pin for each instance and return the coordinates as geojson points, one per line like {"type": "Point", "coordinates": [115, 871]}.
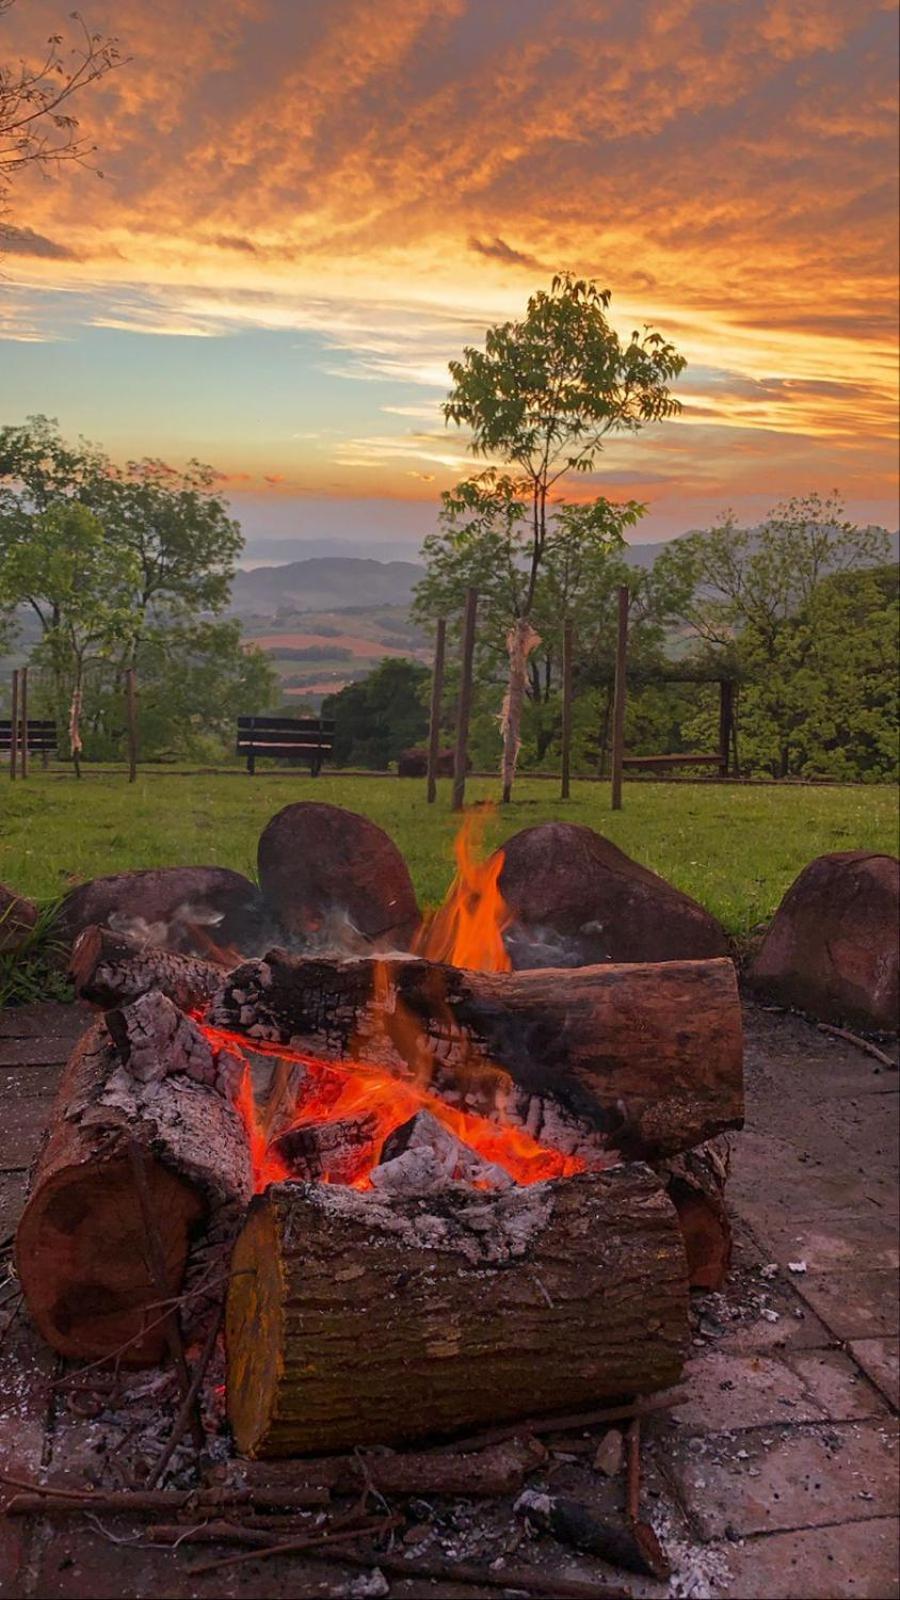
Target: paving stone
{"type": "Point", "coordinates": [801, 1477]}
{"type": "Point", "coordinates": [770, 1180]}
{"type": "Point", "coordinates": [12, 1199]}
{"type": "Point", "coordinates": [856, 1561]}
{"type": "Point", "coordinates": [854, 1305]}
{"type": "Point", "coordinates": [741, 1391]}
{"type": "Point", "coordinates": [46, 1017]}
{"type": "Point", "coordinates": [836, 1241]}
{"type": "Point", "coordinates": [836, 1384]}
{"type": "Point", "coordinates": [880, 1359]}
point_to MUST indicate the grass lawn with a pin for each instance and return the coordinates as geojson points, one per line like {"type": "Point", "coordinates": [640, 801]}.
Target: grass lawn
{"type": "Point", "coordinates": [735, 849]}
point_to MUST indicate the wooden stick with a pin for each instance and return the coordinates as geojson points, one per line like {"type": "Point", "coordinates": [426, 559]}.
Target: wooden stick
{"type": "Point", "coordinates": [501, 1469]}
{"type": "Point", "coordinates": [434, 725]}
{"type": "Point", "coordinates": [526, 1579]}
{"type": "Point", "coordinates": [618, 738]}
{"type": "Point", "coordinates": [23, 748]}
{"type": "Point", "coordinates": [157, 1263]}
{"type": "Point", "coordinates": [189, 1402]}
{"type": "Point", "coordinates": [861, 1044]}
{"type": "Point", "coordinates": [131, 717]}
{"type": "Point", "coordinates": [461, 757]}
{"type": "Point", "coordinates": [293, 1547]}
{"type": "Point", "coordinates": [14, 727]}
{"type": "Point", "coordinates": [48, 1500]}
{"type": "Point", "coordinates": [568, 645]}
{"type": "Point", "coordinates": [585, 1419]}
{"type": "Point", "coordinates": [633, 1500]}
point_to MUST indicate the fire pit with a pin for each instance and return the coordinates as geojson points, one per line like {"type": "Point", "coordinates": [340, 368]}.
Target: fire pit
{"type": "Point", "coordinates": [437, 1193]}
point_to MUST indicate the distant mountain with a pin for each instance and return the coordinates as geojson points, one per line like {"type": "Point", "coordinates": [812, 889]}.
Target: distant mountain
{"type": "Point", "coordinates": [326, 583]}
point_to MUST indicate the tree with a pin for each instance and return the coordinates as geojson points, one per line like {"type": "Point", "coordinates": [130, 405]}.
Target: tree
{"type": "Point", "coordinates": [542, 396]}
{"type": "Point", "coordinates": [80, 584]}
{"type": "Point", "coordinates": [766, 597]}
{"type": "Point", "coordinates": [381, 716]}
{"type": "Point", "coordinates": [37, 127]}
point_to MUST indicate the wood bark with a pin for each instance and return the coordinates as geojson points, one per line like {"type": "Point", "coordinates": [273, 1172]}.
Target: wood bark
{"type": "Point", "coordinates": [110, 970]}
{"type": "Point", "coordinates": [695, 1182]}
{"type": "Point", "coordinates": [81, 1247]}
{"type": "Point", "coordinates": [350, 1322]}
{"type": "Point", "coordinates": [649, 1054]}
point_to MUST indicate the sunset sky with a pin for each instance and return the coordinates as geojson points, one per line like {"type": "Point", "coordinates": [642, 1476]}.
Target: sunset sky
{"type": "Point", "coordinates": [310, 206]}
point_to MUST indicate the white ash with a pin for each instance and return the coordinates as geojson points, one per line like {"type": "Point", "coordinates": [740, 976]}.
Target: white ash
{"type": "Point", "coordinates": [486, 1229]}
{"type": "Point", "coordinates": [432, 1159]}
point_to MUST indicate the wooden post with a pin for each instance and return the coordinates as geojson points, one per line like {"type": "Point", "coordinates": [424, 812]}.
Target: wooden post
{"type": "Point", "coordinates": [618, 738]}
{"type": "Point", "coordinates": [23, 713]}
{"type": "Point", "coordinates": [14, 727]}
{"type": "Point", "coordinates": [725, 717]}
{"type": "Point", "coordinates": [437, 690]}
{"type": "Point", "coordinates": [568, 641]}
{"type": "Point", "coordinates": [131, 715]}
{"type": "Point", "coordinates": [460, 760]}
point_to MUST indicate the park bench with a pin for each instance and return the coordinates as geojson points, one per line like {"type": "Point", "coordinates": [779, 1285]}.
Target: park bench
{"type": "Point", "coordinates": [716, 759]}
{"type": "Point", "coordinates": [290, 738]}
{"type": "Point", "coordinates": [41, 736]}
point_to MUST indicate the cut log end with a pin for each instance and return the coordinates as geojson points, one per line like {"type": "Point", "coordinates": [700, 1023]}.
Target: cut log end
{"type": "Point", "coordinates": [81, 1256]}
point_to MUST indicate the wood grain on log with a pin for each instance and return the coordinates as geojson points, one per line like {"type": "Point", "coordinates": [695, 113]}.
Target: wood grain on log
{"type": "Point", "coordinates": [650, 1054]}
{"type": "Point", "coordinates": [81, 1249]}
{"type": "Point", "coordinates": [109, 970]}
{"type": "Point", "coordinates": [351, 1322]}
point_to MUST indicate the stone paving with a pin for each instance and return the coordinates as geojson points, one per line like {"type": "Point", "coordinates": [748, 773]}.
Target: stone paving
{"type": "Point", "coordinates": [779, 1476]}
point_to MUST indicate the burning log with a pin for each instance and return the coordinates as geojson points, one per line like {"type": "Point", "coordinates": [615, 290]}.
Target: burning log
{"type": "Point", "coordinates": [649, 1054]}
{"type": "Point", "coordinates": [353, 1321]}
{"type": "Point", "coordinates": [696, 1186]}
{"type": "Point", "coordinates": [81, 1247]}
{"type": "Point", "coordinates": [110, 970]}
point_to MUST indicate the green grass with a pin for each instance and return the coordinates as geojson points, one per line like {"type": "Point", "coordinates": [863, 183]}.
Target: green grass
{"type": "Point", "coordinates": [735, 849]}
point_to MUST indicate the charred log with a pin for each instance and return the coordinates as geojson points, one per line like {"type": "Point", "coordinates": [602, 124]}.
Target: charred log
{"type": "Point", "coordinates": [110, 970]}
{"type": "Point", "coordinates": [351, 1321]}
{"type": "Point", "coordinates": [649, 1054]}
{"type": "Point", "coordinates": [81, 1249]}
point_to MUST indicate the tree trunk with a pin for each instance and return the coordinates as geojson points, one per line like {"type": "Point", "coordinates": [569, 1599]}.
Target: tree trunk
{"type": "Point", "coordinates": [81, 1246]}
{"type": "Point", "coordinates": [520, 641]}
{"type": "Point", "coordinates": [649, 1054]}
{"type": "Point", "coordinates": [351, 1322]}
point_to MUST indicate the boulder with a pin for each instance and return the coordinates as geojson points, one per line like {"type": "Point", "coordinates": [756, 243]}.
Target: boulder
{"type": "Point", "coordinates": [831, 947]}
{"type": "Point", "coordinates": [576, 899]}
{"type": "Point", "coordinates": [188, 909]}
{"type": "Point", "coordinates": [17, 918]}
{"type": "Point", "coordinates": [335, 880]}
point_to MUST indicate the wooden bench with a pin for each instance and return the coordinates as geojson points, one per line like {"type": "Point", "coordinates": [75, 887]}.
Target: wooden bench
{"type": "Point", "coordinates": [41, 734]}
{"type": "Point", "coordinates": [717, 759]}
{"type": "Point", "coordinates": [291, 738]}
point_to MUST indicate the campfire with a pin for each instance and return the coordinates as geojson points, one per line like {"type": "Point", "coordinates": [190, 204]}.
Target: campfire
{"type": "Point", "coordinates": [434, 1192]}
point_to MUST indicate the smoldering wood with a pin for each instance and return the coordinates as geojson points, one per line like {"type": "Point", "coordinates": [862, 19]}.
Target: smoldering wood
{"type": "Point", "coordinates": [424, 1154]}
{"type": "Point", "coordinates": [635, 1548]}
{"type": "Point", "coordinates": [80, 1251]}
{"type": "Point", "coordinates": [110, 970]}
{"type": "Point", "coordinates": [352, 1322]}
{"type": "Point", "coordinates": [695, 1182]}
{"type": "Point", "coordinates": [648, 1054]}
{"type": "Point", "coordinates": [338, 1152]}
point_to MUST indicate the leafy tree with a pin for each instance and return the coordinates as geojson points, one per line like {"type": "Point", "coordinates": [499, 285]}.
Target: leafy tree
{"type": "Point", "coordinates": [37, 126]}
{"type": "Point", "coordinates": [381, 716]}
{"type": "Point", "coordinates": [80, 585]}
{"type": "Point", "coordinates": [542, 396]}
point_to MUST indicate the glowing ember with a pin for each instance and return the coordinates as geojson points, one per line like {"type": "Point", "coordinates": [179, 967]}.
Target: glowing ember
{"type": "Point", "coordinates": [467, 929]}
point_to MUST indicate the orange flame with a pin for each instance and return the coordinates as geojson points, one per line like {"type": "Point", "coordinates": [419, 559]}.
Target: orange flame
{"type": "Point", "coordinates": [467, 929]}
